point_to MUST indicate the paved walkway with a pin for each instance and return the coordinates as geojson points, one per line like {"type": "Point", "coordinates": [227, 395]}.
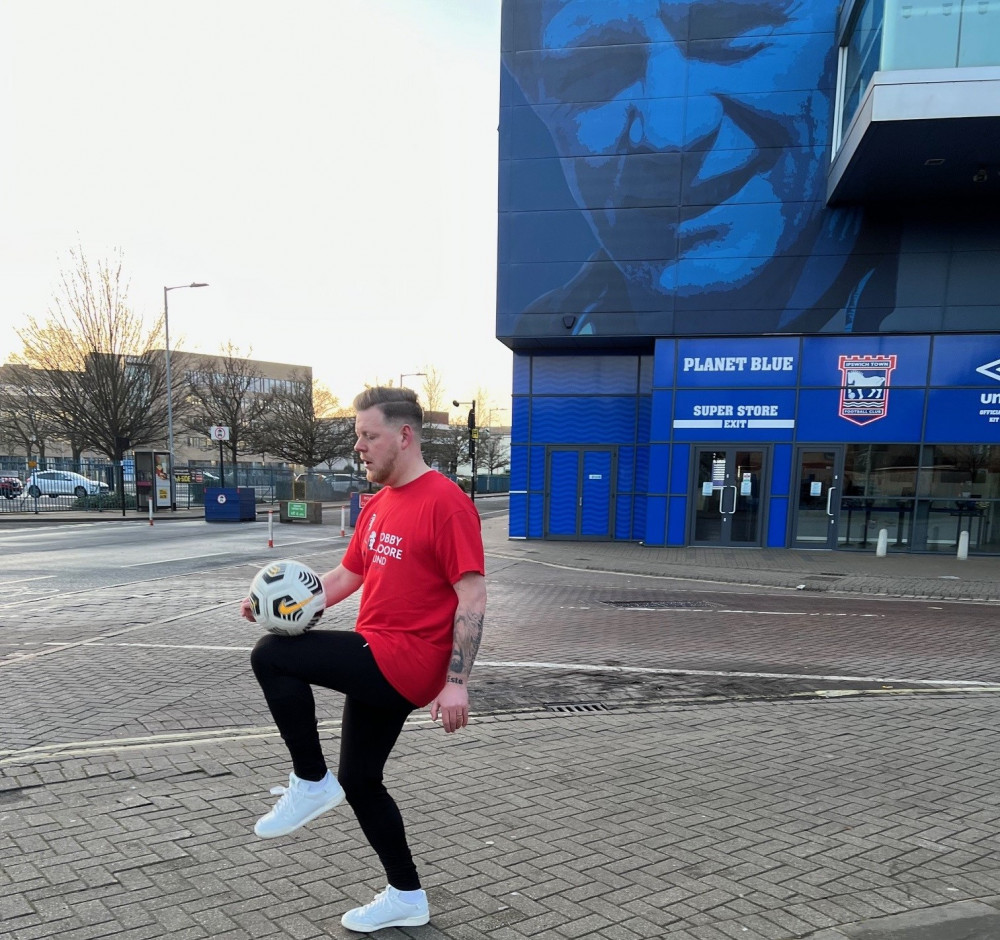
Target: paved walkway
{"type": "Point", "coordinates": [136, 753]}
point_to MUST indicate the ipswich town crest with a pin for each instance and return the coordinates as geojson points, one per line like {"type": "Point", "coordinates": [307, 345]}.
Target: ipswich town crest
{"type": "Point", "coordinates": [864, 395]}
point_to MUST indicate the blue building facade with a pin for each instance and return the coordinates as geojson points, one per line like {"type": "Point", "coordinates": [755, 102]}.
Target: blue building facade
{"type": "Point", "coordinates": [750, 278]}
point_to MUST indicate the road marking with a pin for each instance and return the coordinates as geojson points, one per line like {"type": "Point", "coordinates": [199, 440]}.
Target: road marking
{"type": "Point", "coordinates": [984, 684]}
{"type": "Point", "coordinates": [41, 577]}
{"type": "Point", "coordinates": [94, 746]}
{"type": "Point", "coordinates": [168, 561]}
{"type": "Point", "coordinates": [654, 671]}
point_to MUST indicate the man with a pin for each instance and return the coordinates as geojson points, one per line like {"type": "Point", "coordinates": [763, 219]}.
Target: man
{"type": "Point", "coordinates": [417, 549]}
{"type": "Point", "coordinates": [694, 137]}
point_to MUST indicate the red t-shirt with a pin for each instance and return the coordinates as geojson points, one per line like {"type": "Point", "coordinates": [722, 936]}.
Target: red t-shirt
{"type": "Point", "coordinates": [411, 544]}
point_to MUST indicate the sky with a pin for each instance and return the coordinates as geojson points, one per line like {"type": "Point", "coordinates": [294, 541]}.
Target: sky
{"type": "Point", "coordinates": [328, 167]}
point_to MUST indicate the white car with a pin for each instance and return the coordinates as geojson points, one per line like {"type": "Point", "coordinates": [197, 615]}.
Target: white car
{"type": "Point", "coordinates": [62, 483]}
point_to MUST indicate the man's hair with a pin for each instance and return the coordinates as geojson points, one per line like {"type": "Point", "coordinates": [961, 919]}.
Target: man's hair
{"type": "Point", "coordinates": [399, 406]}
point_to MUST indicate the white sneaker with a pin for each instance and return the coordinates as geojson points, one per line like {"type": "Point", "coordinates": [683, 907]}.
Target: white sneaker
{"type": "Point", "coordinates": [387, 910]}
{"type": "Point", "coordinates": [298, 805]}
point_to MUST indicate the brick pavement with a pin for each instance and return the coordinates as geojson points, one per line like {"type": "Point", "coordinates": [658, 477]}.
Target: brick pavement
{"type": "Point", "coordinates": [695, 807]}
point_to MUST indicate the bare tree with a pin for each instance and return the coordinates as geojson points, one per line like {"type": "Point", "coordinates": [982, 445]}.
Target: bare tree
{"type": "Point", "coordinates": [434, 393]}
{"type": "Point", "coordinates": [492, 454]}
{"type": "Point", "coordinates": [447, 447]}
{"type": "Point", "coordinates": [304, 425]}
{"type": "Point", "coordinates": [228, 392]}
{"type": "Point", "coordinates": [23, 421]}
{"type": "Point", "coordinates": [96, 371]}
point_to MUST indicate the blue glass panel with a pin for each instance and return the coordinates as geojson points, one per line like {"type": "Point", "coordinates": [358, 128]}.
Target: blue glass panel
{"type": "Point", "coordinates": [663, 368]}
{"type": "Point", "coordinates": [641, 469]}
{"type": "Point", "coordinates": [518, 467]}
{"type": "Point", "coordinates": [519, 420]}
{"type": "Point", "coordinates": [662, 416]}
{"type": "Point", "coordinates": [536, 510]}
{"type": "Point", "coordinates": [679, 468]}
{"type": "Point", "coordinates": [623, 518]}
{"type": "Point", "coordinates": [593, 375]}
{"type": "Point", "coordinates": [963, 414]}
{"type": "Point", "coordinates": [654, 532]}
{"type": "Point", "coordinates": [957, 360]}
{"type": "Point", "coordinates": [781, 469]}
{"type": "Point", "coordinates": [536, 468]}
{"type": "Point", "coordinates": [676, 520]}
{"type": "Point", "coordinates": [645, 417]}
{"type": "Point", "coordinates": [645, 375]}
{"type": "Point", "coordinates": [517, 526]}
{"type": "Point", "coordinates": [777, 522]}
{"type": "Point", "coordinates": [521, 375]}
{"type": "Point", "coordinates": [584, 420]}
{"type": "Point", "coordinates": [821, 358]}
{"type": "Point", "coordinates": [626, 469]}
{"type": "Point", "coordinates": [639, 512]}
{"type": "Point", "coordinates": [820, 420]}
{"type": "Point", "coordinates": [659, 468]}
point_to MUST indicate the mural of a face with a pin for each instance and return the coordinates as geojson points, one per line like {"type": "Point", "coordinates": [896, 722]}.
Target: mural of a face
{"type": "Point", "coordinates": [694, 134]}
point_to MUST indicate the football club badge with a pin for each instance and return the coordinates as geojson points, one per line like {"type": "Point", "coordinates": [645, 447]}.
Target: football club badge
{"type": "Point", "coordinates": [864, 393]}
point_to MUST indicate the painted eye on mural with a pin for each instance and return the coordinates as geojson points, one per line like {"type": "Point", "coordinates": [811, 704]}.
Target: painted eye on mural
{"type": "Point", "coordinates": [593, 74]}
{"type": "Point", "coordinates": [726, 51]}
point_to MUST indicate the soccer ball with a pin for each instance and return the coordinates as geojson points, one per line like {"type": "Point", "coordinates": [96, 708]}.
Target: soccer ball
{"type": "Point", "coordinates": [287, 597]}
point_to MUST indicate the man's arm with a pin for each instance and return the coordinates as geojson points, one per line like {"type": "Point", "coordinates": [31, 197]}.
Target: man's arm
{"type": "Point", "coordinates": [452, 702]}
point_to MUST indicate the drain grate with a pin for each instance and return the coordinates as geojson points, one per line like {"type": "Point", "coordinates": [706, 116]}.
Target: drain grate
{"type": "Point", "coordinates": [657, 605]}
{"type": "Point", "coordinates": [576, 706]}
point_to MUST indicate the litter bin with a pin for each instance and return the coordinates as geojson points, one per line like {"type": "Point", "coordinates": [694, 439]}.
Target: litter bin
{"type": "Point", "coordinates": [357, 502]}
{"type": "Point", "coordinates": [230, 504]}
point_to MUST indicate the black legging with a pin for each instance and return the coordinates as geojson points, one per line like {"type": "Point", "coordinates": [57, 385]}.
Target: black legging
{"type": "Point", "coordinates": [374, 713]}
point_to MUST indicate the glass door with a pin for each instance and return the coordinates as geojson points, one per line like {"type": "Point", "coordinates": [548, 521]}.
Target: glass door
{"type": "Point", "coordinates": [726, 501]}
{"type": "Point", "coordinates": [816, 510]}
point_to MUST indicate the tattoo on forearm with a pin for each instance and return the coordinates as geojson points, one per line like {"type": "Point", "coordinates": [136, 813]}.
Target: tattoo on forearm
{"type": "Point", "coordinates": [468, 634]}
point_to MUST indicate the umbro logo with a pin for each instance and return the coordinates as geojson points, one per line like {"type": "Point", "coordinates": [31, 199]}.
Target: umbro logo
{"type": "Point", "coordinates": [991, 370]}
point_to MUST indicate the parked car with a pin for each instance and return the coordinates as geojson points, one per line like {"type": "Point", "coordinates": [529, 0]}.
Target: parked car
{"type": "Point", "coordinates": [10, 486]}
{"type": "Point", "coordinates": [62, 483]}
{"type": "Point", "coordinates": [343, 482]}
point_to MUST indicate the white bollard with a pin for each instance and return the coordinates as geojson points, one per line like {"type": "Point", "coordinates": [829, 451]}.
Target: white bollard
{"type": "Point", "coordinates": [150, 504]}
{"type": "Point", "coordinates": [883, 543]}
{"type": "Point", "coordinates": [343, 531]}
{"type": "Point", "coordinates": [963, 545]}
{"type": "Point", "coordinates": [270, 528]}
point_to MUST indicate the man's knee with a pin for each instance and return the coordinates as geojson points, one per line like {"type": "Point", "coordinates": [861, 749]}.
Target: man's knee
{"type": "Point", "coordinates": [358, 785]}
{"type": "Point", "coordinates": [263, 653]}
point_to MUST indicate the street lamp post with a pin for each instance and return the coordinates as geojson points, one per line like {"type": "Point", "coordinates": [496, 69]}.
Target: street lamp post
{"type": "Point", "coordinates": [170, 392]}
{"type": "Point", "coordinates": [407, 375]}
{"type": "Point", "coordinates": [473, 434]}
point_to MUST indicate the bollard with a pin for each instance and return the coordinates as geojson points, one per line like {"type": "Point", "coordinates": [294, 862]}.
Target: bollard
{"type": "Point", "coordinates": [150, 504]}
{"type": "Point", "coordinates": [883, 543]}
{"type": "Point", "coordinates": [270, 528]}
{"type": "Point", "coordinates": [342, 529]}
{"type": "Point", "coordinates": [963, 545]}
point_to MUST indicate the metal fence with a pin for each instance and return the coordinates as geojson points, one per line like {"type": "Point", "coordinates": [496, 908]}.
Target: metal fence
{"type": "Point", "coordinates": [270, 485]}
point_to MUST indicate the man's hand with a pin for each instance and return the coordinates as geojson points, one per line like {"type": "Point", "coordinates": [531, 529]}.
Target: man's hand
{"type": "Point", "coordinates": [246, 610]}
{"type": "Point", "coordinates": [452, 704]}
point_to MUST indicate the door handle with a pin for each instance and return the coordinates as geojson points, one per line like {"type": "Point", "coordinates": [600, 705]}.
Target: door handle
{"type": "Point", "coordinates": [722, 510]}
{"type": "Point", "coordinates": [829, 499]}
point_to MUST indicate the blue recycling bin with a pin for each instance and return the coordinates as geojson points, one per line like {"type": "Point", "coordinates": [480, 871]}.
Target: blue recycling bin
{"type": "Point", "coordinates": [230, 504]}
